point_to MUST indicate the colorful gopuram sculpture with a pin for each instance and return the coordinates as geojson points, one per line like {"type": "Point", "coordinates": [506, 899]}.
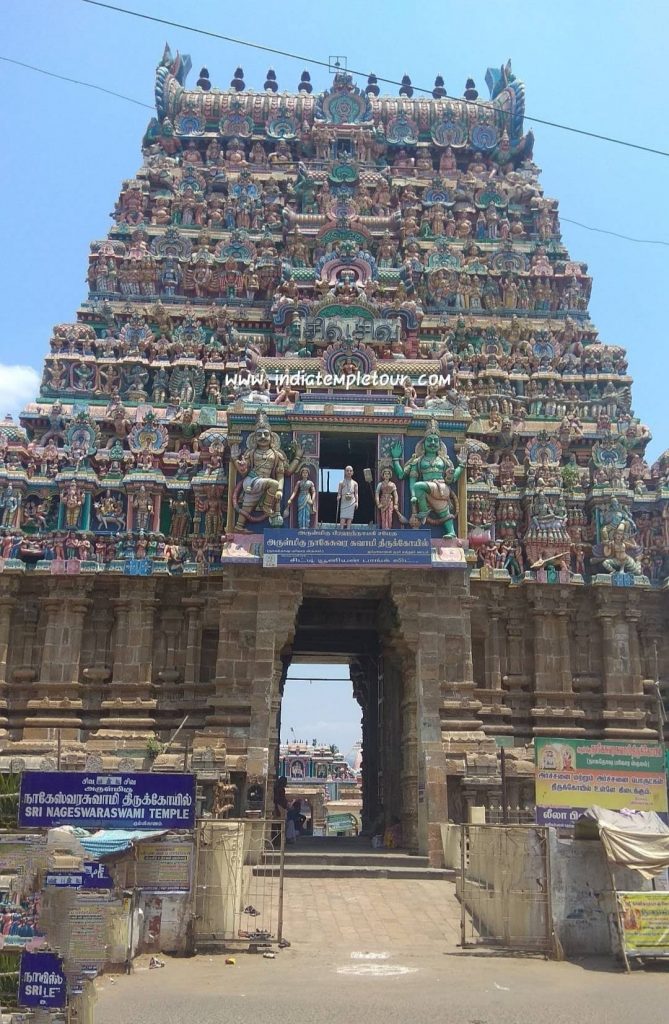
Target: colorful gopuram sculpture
{"type": "Point", "coordinates": [272, 242]}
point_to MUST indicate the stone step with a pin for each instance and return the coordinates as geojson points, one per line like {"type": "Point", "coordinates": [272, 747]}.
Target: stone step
{"type": "Point", "coordinates": [371, 859]}
{"type": "Point", "coordinates": [291, 870]}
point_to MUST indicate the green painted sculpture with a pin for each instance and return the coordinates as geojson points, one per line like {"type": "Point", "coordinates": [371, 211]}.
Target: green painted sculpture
{"type": "Point", "coordinates": [430, 472]}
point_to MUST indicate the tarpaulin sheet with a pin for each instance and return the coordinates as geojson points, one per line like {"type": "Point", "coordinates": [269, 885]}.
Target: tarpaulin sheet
{"type": "Point", "coordinates": [636, 839]}
{"type": "Point", "coordinates": [109, 841]}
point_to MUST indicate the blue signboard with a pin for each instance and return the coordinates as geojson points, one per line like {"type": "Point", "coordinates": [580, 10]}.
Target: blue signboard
{"type": "Point", "coordinates": [42, 981]}
{"type": "Point", "coordinates": [347, 547]}
{"type": "Point", "coordinates": [93, 876]}
{"type": "Point", "coordinates": [138, 800]}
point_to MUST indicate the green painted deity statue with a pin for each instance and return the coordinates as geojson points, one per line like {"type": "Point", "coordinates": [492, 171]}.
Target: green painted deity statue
{"type": "Point", "coordinates": [430, 472]}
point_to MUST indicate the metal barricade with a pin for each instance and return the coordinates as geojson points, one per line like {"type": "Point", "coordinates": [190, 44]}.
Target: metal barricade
{"type": "Point", "coordinates": [504, 888]}
{"type": "Point", "coordinates": [238, 890]}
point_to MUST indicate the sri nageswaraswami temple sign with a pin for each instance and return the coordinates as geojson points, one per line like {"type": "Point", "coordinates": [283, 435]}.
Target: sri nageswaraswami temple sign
{"type": "Point", "coordinates": [318, 314]}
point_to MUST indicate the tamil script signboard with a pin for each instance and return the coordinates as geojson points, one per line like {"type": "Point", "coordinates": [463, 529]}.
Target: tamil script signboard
{"type": "Point", "coordinates": [140, 800]}
{"type": "Point", "coordinates": [644, 917]}
{"type": "Point", "coordinates": [42, 981]}
{"type": "Point", "coordinates": [572, 775]}
{"type": "Point", "coordinates": [337, 547]}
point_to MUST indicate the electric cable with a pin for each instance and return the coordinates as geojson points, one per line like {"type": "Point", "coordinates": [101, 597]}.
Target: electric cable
{"type": "Point", "coordinates": [76, 81]}
{"type": "Point", "coordinates": [387, 81]}
{"type": "Point", "coordinates": [129, 99]}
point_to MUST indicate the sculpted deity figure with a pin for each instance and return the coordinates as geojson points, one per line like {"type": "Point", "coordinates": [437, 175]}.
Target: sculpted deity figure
{"type": "Point", "coordinates": [387, 251]}
{"type": "Point", "coordinates": [305, 493]}
{"type": "Point", "coordinates": [263, 466]}
{"type": "Point", "coordinates": [161, 212]}
{"type": "Point", "coordinates": [180, 518]}
{"type": "Point", "coordinates": [386, 498]}
{"type": "Point", "coordinates": [192, 154]}
{"type": "Point", "coordinates": [403, 162]}
{"type": "Point", "coordinates": [110, 511]}
{"type": "Point", "coordinates": [433, 397]}
{"type": "Point", "coordinates": [616, 516]}
{"type": "Point", "coordinates": [282, 153]}
{"type": "Point", "coordinates": [617, 541]}
{"type": "Point", "coordinates": [213, 152]}
{"type": "Point", "coordinates": [73, 500]}
{"type": "Point", "coordinates": [347, 498]}
{"type": "Point", "coordinates": [257, 154]}
{"type": "Point", "coordinates": [56, 424]}
{"type": "Point", "coordinates": [424, 162]}
{"type": "Point", "coordinates": [10, 502]}
{"type": "Point", "coordinates": [447, 162]}
{"type": "Point", "coordinates": [116, 414]}
{"type": "Point", "coordinates": [213, 515]}
{"type": "Point", "coordinates": [430, 472]}
{"type": "Point", "coordinates": [143, 509]}
{"type": "Point", "coordinates": [234, 153]}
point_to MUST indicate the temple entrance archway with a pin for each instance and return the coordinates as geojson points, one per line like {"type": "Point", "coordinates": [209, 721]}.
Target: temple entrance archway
{"type": "Point", "coordinates": [359, 632]}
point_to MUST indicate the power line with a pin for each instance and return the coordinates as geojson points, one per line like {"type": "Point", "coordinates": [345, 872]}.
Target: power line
{"type": "Point", "coordinates": [387, 81]}
{"type": "Point", "coordinates": [76, 81]}
{"type": "Point", "coordinates": [139, 103]}
{"type": "Point", "coordinates": [616, 234]}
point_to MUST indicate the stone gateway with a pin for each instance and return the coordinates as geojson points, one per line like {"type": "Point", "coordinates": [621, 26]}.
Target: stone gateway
{"type": "Point", "coordinates": [348, 319]}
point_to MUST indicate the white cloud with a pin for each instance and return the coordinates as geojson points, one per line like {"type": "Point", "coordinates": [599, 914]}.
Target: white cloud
{"type": "Point", "coordinates": [18, 385]}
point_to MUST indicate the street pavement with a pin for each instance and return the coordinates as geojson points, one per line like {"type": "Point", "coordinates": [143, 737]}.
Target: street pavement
{"type": "Point", "coordinates": [379, 951]}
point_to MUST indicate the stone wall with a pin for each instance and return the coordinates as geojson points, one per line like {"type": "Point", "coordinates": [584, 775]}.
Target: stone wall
{"type": "Point", "coordinates": [111, 662]}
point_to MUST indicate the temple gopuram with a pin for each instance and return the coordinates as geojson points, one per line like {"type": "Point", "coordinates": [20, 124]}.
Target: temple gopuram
{"type": "Point", "coordinates": [294, 284]}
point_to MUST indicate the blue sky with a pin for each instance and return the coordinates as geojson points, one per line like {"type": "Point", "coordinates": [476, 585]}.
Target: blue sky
{"type": "Point", "coordinates": [318, 704]}
{"type": "Point", "coordinates": [597, 65]}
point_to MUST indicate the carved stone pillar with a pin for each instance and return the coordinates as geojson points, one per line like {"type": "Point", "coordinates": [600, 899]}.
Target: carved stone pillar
{"type": "Point", "coordinates": [615, 656]}
{"type": "Point", "coordinates": [515, 634]}
{"type": "Point", "coordinates": [231, 698]}
{"type": "Point", "coordinates": [636, 675]}
{"type": "Point", "coordinates": [96, 664]}
{"type": "Point", "coordinates": [57, 702]}
{"type": "Point", "coordinates": [410, 774]}
{"type": "Point", "coordinates": [279, 601]}
{"type": "Point", "coordinates": [193, 607]}
{"type": "Point", "coordinates": [493, 662]}
{"type": "Point", "coordinates": [543, 655]}
{"type": "Point", "coordinates": [131, 701]}
{"type": "Point", "coordinates": [25, 657]}
{"type": "Point", "coordinates": [555, 709]}
{"type": "Point", "coordinates": [257, 617]}
{"type": "Point", "coordinates": [434, 625]}
{"type": "Point", "coordinates": [564, 674]}
{"type": "Point", "coordinates": [623, 713]}
{"type": "Point", "coordinates": [62, 646]}
{"type": "Point", "coordinates": [366, 676]}
{"type": "Point", "coordinates": [493, 712]}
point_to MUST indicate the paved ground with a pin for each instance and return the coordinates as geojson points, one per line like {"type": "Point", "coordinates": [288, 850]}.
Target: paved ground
{"type": "Point", "coordinates": [381, 952]}
{"type": "Point", "coordinates": [373, 913]}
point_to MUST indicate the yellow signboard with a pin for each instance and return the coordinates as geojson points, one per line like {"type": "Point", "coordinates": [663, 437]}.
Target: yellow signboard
{"type": "Point", "coordinates": [644, 917]}
{"type": "Point", "coordinates": [616, 774]}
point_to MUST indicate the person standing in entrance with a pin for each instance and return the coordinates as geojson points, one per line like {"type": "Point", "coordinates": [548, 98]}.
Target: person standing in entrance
{"type": "Point", "coordinates": [347, 498]}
